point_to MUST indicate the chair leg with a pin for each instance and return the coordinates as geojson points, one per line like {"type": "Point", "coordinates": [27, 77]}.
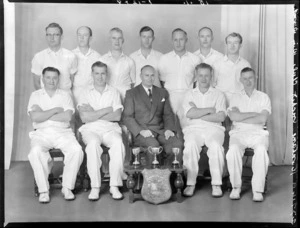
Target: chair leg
{"type": "Point", "coordinates": [36, 189]}
{"type": "Point", "coordinates": [266, 184]}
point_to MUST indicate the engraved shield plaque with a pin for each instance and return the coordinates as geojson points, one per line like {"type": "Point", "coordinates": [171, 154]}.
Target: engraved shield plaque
{"type": "Point", "coordinates": [156, 187]}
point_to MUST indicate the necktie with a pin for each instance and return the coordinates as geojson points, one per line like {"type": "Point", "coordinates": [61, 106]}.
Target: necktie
{"type": "Point", "coordinates": [150, 95]}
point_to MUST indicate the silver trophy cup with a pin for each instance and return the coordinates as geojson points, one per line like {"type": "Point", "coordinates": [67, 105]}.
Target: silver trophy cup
{"type": "Point", "coordinates": [155, 151]}
{"type": "Point", "coordinates": [136, 151]}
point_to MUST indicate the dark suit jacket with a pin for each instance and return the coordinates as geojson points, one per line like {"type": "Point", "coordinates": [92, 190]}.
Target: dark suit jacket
{"type": "Point", "coordinates": [139, 114]}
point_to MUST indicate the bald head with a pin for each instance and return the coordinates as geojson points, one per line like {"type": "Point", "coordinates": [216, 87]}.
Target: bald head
{"type": "Point", "coordinates": [147, 75]}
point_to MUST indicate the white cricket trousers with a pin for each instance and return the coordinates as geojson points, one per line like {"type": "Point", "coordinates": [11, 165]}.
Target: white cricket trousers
{"type": "Point", "coordinates": [42, 140]}
{"type": "Point", "coordinates": [112, 140]}
{"type": "Point", "coordinates": [194, 139]}
{"type": "Point", "coordinates": [239, 141]}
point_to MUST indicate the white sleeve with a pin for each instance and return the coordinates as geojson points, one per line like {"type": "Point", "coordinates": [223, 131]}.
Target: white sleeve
{"type": "Point", "coordinates": [36, 65]}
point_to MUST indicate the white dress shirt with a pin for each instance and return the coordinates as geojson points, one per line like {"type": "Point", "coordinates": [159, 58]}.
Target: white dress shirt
{"type": "Point", "coordinates": [257, 102]}
{"type": "Point", "coordinates": [64, 60]}
{"type": "Point", "coordinates": [140, 61]}
{"type": "Point", "coordinates": [109, 98]}
{"type": "Point", "coordinates": [178, 72]}
{"type": "Point", "coordinates": [41, 98]}
{"type": "Point", "coordinates": [211, 58]}
{"type": "Point", "coordinates": [211, 98]}
{"type": "Point", "coordinates": [227, 74]}
{"type": "Point", "coordinates": [83, 76]}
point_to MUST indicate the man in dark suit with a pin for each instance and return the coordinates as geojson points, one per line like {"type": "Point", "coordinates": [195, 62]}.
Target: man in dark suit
{"type": "Point", "coordinates": [149, 117]}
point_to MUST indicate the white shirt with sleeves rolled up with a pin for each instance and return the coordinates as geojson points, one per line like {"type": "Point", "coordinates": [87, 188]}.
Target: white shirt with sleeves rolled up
{"type": "Point", "coordinates": [140, 61]}
{"type": "Point", "coordinates": [109, 98]}
{"type": "Point", "coordinates": [212, 98]}
{"type": "Point", "coordinates": [211, 58]}
{"type": "Point", "coordinates": [178, 72]}
{"type": "Point", "coordinates": [83, 76]}
{"type": "Point", "coordinates": [257, 102]}
{"type": "Point", "coordinates": [41, 98]}
{"type": "Point", "coordinates": [64, 60]}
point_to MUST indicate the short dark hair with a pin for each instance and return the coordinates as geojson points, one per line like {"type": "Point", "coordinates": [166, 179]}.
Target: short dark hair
{"type": "Point", "coordinates": [90, 30]}
{"type": "Point", "coordinates": [204, 66]}
{"type": "Point", "coordinates": [179, 30]}
{"type": "Point", "coordinates": [146, 67]}
{"type": "Point", "coordinates": [99, 64]}
{"type": "Point", "coordinates": [55, 25]}
{"type": "Point", "coordinates": [234, 34]}
{"type": "Point", "coordinates": [205, 28]}
{"type": "Point", "coordinates": [247, 69]}
{"type": "Point", "coordinates": [51, 69]}
{"type": "Point", "coordinates": [146, 29]}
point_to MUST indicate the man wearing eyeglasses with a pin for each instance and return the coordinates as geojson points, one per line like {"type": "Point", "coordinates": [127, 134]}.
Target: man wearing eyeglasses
{"type": "Point", "coordinates": [54, 56]}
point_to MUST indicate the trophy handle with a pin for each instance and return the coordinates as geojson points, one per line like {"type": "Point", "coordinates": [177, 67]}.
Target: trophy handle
{"type": "Point", "coordinates": [160, 149]}
{"type": "Point", "coordinates": [149, 149]}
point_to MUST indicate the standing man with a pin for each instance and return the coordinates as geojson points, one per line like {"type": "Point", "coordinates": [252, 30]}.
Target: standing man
{"type": "Point", "coordinates": [204, 108]}
{"type": "Point", "coordinates": [206, 53]}
{"type": "Point", "coordinates": [176, 69]}
{"type": "Point", "coordinates": [86, 56]}
{"type": "Point", "coordinates": [121, 68]}
{"type": "Point", "coordinates": [50, 110]}
{"type": "Point", "coordinates": [228, 68]}
{"type": "Point", "coordinates": [249, 110]}
{"type": "Point", "coordinates": [100, 108]}
{"type": "Point", "coordinates": [146, 55]}
{"type": "Point", "coordinates": [149, 117]}
{"type": "Point", "coordinates": [54, 56]}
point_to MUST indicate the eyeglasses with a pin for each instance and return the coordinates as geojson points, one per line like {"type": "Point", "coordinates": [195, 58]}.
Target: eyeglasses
{"type": "Point", "coordinates": [53, 35]}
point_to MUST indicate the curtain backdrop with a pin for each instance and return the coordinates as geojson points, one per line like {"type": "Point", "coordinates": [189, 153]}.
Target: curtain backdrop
{"type": "Point", "coordinates": [268, 36]}
{"type": "Point", "coordinates": [9, 89]}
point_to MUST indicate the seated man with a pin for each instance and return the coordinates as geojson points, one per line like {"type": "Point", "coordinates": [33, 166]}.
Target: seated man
{"type": "Point", "coordinates": [149, 117]}
{"type": "Point", "coordinates": [50, 110]}
{"type": "Point", "coordinates": [204, 108]}
{"type": "Point", "coordinates": [100, 108]}
{"type": "Point", "coordinates": [249, 111]}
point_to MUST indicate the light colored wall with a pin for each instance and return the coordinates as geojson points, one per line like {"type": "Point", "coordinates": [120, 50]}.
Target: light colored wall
{"type": "Point", "coordinates": [31, 20]}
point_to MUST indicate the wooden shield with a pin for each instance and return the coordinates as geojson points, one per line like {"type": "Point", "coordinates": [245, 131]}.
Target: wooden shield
{"type": "Point", "coordinates": [156, 187]}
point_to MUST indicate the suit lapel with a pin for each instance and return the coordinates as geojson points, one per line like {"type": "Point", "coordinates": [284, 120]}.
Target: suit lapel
{"type": "Point", "coordinates": [155, 100]}
{"type": "Point", "coordinates": [144, 96]}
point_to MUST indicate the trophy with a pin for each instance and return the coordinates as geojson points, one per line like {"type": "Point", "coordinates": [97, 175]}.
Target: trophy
{"type": "Point", "coordinates": [136, 151]}
{"type": "Point", "coordinates": [155, 151]}
{"type": "Point", "coordinates": [175, 151]}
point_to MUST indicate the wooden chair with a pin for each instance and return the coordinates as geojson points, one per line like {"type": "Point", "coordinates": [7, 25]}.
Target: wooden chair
{"type": "Point", "coordinates": [56, 181]}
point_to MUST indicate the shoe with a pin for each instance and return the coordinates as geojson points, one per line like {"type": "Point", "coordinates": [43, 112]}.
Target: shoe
{"type": "Point", "coordinates": [44, 197]}
{"type": "Point", "coordinates": [94, 194]}
{"type": "Point", "coordinates": [189, 190]}
{"type": "Point", "coordinates": [257, 197]}
{"type": "Point", "coordinates": [216, 191]}
{"type": "Point", "coordinates": [67, 193]}
{"type": "Point", "coordinates": [115, 193]}
{"type": "Point", "coordinates": [235, 194]}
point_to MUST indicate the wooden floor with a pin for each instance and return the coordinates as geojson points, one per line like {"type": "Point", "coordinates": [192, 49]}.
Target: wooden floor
{"type": "Point", "coordinates": [22, 206]}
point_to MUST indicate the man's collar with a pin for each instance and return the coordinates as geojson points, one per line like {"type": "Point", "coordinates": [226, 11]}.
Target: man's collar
{"type": "Point", "coordinates": [110, 54]}
{"type": "Point", "coordinates": [209, 54]}
{"type": "Point", "coordinates": [105, 89]}
{"type": "Point", "coordinates": [146, 89]}
{"type": "Point", "coordinates": [243, 92]}
{"type": "Point", "coordinates": [88, 53]}
{"type": "Point", "coordinates": [55, 52]}
{"type": "Point", "coordinates": [197, 89]}
{"type": "Point", "coordinates": [139, 52]}
{"type": "Point", "coordinates": [174, 53]}
{"type": "Point", "coordinates": [227, 59]}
